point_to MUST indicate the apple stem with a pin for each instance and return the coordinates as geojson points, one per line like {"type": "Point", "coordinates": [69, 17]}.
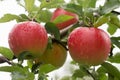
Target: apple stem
{"type": "Point", "coordinates": [64, 31]}
{"type": "Point", "coordinates": [60, 42]}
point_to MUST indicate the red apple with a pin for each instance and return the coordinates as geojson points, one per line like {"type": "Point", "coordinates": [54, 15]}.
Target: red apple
{"type": "Point", "coordinates": [55, 55]}
{"type": "Point", "coordinates": [60, 11]}
{"type": "Point", "coordinates": [89, 46]}
{"type": "Point", "coordinates": [28, 36]}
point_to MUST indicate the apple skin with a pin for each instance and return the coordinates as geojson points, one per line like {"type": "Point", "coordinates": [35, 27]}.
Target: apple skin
{"type": "Point", "coordinates": [89, 46]}
{"type": "Point", "coordinates": [28, 36]}
{"type": "Point", "coordinates": [56, 56]}
{"type": "Point", "coordinates": [62, 25]}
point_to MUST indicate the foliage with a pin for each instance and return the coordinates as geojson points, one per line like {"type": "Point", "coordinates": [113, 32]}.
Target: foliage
{"type": "Point", "coordinates": [89, 15]}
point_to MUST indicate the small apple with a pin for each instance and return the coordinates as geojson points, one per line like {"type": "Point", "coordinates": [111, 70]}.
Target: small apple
{"type": "Point", "coordinates": [28, 36]}
{"type": "Point", "coordinates": [89, 46]}
{"type": "Point", "coordinates": [55, 55]}
{"type": "Point", "coordinates": [62, 25]}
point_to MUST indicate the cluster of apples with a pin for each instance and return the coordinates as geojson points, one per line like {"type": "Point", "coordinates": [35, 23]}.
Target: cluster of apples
{"type": "Point", "coordinates": [89, 46]}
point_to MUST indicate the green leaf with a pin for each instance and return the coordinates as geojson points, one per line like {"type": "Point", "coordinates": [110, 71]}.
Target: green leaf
{"type": "Point", "coordinates": [8, 17]}
{"type": "Point", "coordinates": [115, 58]}
{"type": "Point", "coordinates": [115, 78]}
{"type": "Point", "coordinates": [102, 76]}
{"type": "Point", "coordinates": [6, 52]}
{"type": "Point", "coordinates": [73, 62]}
{"type": "Point", "coordinates": [115, 20]}
{"type": "Point", "coordinates": [87, 3]}
{"type": "Point", "coordinates": [74, 8]}
{"type": "Point", "coordinates": [111, 28]}
{"type": "Point", "coordinates": [102, 73]}
{"type": "Point", "coordinates": [116, 41]}
{"type": "Point", "coordinates": [66, 78]}
{"type": "Point", "coordinates": [88, 17]}
{"type": "Point", "coordinates": [111, 69]}
{"type": "Point", "coordinates": [102, 20]}
{"type": "Point", "coordinates": [30, 63]}
{"type": "Point", "coordinates": [49, 45]}
{"type": "Point", "coordinates": [101, 69]}
{"type": "Point", "coordinates": [82, 72]}
{"type": "Point", "coordinates": [29, 5]}
{"type": "Point", "coordinates": [62, 18]}
{"type": "Point", "coordinates": [79, 73]}
{"type": "Point", "coordinates": [12, 69]}
{"type": "Point", "coordinates": [24, 55]}
{"type": "Point", "coordinates": [24, 16]}
{"type": "Point", "coordinates": [109, 6]}
{"type": "Point", "coordinates": [46, 68]}
{"type": "Point", "coordinates": [22, 76]}
{"type": "Point", "coordinates": [52, 29]}
{"type": "Point", "coordinates": [43, 16]}
{"type": "Point", "coordinates": [18, 73]}
{"type": "Point", "coordinates": [51, 3]}
{"type": "Point", "coordinates": [110, 77]}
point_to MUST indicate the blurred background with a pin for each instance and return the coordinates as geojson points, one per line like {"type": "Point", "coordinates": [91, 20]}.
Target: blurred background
{"type": "Point", "coordinates": [11, 6]}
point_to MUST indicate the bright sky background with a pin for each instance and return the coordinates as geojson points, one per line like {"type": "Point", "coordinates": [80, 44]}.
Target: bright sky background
{"type": "Point", "coordinates": [10, 6]}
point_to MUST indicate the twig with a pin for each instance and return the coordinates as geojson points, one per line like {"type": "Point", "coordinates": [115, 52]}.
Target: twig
{"type": "Point", "coordinates": [115, 12]}
{"type": "Point", "coordinates": [3, 60]}
{"type": "Point", "coordinates": [64, 31]}
{"type": "Point", "coordinates": [54, 40]}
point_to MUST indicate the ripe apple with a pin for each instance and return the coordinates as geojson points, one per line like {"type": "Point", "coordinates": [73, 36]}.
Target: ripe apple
{"type": "Point", "coordinates": [89, 46]}
{"type": "Point", "coordinates": [55, 55]}
{"type": "Point", "coordinates": [61, 25]}
{"type": "Point", "coordinates": [28, 36]}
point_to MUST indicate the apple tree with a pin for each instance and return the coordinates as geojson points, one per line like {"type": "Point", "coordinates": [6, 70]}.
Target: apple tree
{"type": "Point", "coordinates": [50, 30]}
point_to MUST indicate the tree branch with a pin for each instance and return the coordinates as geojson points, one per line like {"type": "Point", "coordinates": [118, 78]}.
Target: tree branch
{"type": "Point", "coordinates": [115, 12]}
{"type": "Point", "coordinates": [3, 60]}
